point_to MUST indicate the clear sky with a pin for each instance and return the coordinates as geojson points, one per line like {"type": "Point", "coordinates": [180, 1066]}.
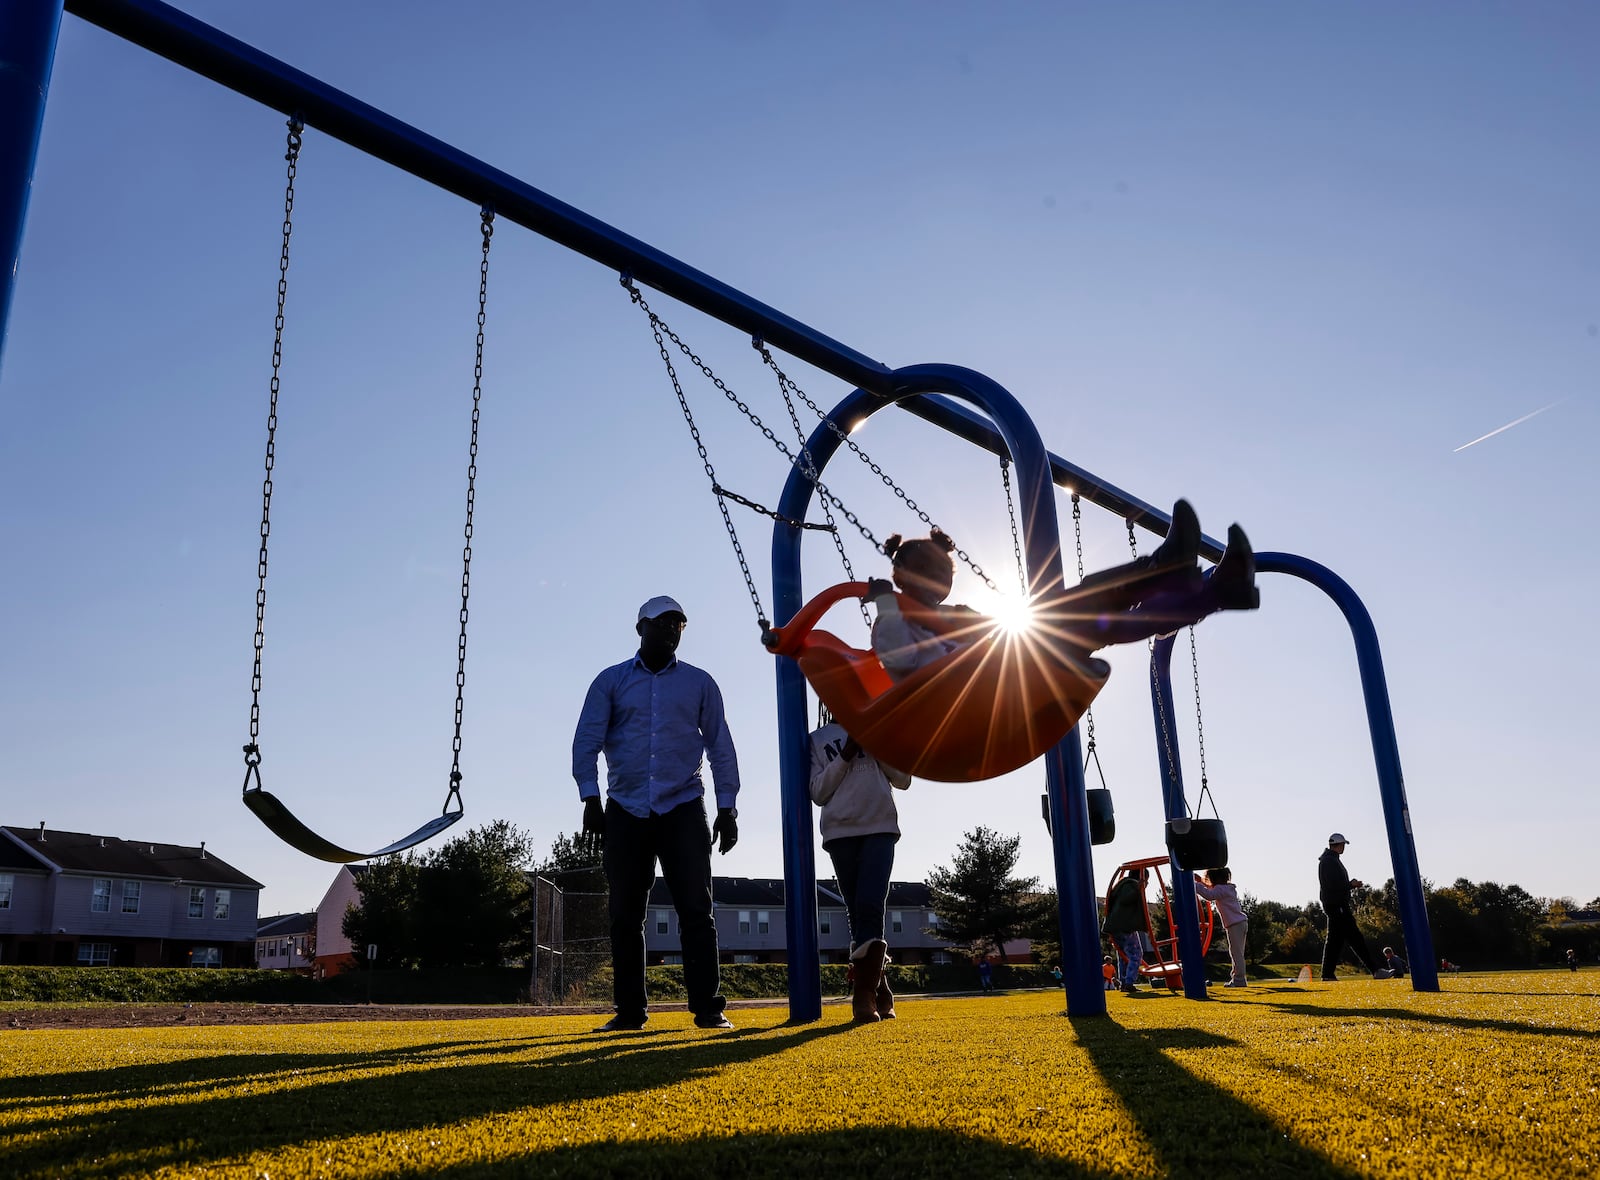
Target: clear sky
{"type": "Point", "coordinates": [1284, 260]}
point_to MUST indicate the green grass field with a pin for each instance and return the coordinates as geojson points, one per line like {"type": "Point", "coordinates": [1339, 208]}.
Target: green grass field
{"type": "Point", "coordinates": [1497, 1075]}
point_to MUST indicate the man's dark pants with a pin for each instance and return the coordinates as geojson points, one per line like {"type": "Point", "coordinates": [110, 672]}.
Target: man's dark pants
{"type": "Point", "coordinates": [681, 841]}
{"type": "Point", "coordinates": [1342, 931]}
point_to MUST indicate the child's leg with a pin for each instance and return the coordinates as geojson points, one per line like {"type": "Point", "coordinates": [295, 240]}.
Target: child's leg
{"type": "Point", "coordinates": [1179, 550]}
{"type": "Point", "coordinates": [1178, 599]}
{"type": "Point", "coordinates": [1236, 934]}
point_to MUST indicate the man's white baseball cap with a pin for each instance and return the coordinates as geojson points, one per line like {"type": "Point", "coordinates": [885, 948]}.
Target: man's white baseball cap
{"type": "Point", "coordinates": [661, 605]}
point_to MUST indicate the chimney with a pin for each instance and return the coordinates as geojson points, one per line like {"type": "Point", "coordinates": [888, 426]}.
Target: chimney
{"type": "Point", "coordinates": [202, 850]}
{"type": "Point", "coordinates": [41, 831]}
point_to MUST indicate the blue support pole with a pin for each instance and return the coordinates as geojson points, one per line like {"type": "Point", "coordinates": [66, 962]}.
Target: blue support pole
{"type": "Point", "coordinates": [1185, 914]}
{"type": "Point", "coordinates": [28, 31]}
{"type": "Point", "coordinates": [1042, 545]}
{"type": "Point", "coordinates": [1385, 752]}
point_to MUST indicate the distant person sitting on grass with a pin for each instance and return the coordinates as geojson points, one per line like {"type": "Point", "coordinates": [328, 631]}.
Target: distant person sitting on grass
{"type": "Point", "coordinates": [1395, 964]}
{"type": "Point", "coordinates": [1447, 965]}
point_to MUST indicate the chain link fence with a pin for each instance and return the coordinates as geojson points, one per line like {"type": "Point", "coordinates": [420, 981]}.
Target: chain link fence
{"type": "Point", "coordinates": [571, 941]}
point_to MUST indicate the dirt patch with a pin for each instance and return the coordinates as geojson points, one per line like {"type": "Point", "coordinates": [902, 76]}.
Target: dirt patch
{"type": "Point", "coordinates": [156, 1015]}
{"type": "Point", "coordinates": [167, 1015]}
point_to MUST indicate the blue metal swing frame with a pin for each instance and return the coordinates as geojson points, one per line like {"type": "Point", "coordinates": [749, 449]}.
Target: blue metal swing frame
{"type": "Point", "coordinates": [28, 35]}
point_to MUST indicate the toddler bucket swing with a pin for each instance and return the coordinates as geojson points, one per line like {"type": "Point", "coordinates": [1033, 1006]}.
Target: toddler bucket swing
{"type": "Point", "coordinates": [272, 811]}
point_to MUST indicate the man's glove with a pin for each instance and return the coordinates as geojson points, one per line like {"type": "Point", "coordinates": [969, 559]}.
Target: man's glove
{"type": "Point", "coordinates": [877, 588]}
{"type": "Point", "coordinates": [725, 832]}
{"type": "Point", "coordinates": [594, 827]}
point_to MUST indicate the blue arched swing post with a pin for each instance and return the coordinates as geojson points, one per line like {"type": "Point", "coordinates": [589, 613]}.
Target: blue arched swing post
{"type": "Point", "coordinates": [28, 35]}
{"type": "Point", "coordinates": [1069, 811]}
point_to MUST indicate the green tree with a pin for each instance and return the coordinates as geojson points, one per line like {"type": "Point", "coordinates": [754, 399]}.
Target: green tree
{"type": "Point", "coordinates": [980, 905]}
{"type": "Point", "coordinates": [472, 899]}
{"type": "Point", "coordinates": [386, 915]}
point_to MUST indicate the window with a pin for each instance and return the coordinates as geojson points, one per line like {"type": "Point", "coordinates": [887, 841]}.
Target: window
{"type": "Point", "coordinates": [224, 903]}
{"type": "Point", "coordinates": [662, 924]}
{"type": "Point", "coordinates": [744, 921]}
{"type": "Point", "coordinates": [897, 922]}
{"type": "Point", "coordinates": [94, 954]}
{"type": "Point", "coordinates": [933, 920]}
{"type": "Point", "coordinates": [100, 900]}
{"type": "Point", "coordinates": [763, 922]}
{"type": "Point", "coordinates": [197, 901]}
{"type": "Point", "coordinates": [745, 959]}
{"type": "Point", "coordinates": [206, 956]}
{"type": "Point", "coordinates": [130, 897]}
{"type": "Point", "coordinates": [7, 883]}
{"type": "Point", "coordinates": [824, 923]}
{"type": "Point", "coordinates": [942, 957]}
{"type": "Point", "coordinates": [672, 960]}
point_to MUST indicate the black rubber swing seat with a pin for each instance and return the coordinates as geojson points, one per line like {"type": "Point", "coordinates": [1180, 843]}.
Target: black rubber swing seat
{"type": "Point", "coordinates": [284, 825]}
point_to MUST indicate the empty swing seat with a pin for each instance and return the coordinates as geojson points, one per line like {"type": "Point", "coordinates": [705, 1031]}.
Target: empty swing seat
{"type": "Point", "coordinates": [985, 709]}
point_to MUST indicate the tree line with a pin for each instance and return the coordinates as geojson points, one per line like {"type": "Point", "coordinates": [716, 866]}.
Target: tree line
{"type": "Point", "coordinates": [469, 903]}
{"type": "Point", "coordinates": [981, 905]}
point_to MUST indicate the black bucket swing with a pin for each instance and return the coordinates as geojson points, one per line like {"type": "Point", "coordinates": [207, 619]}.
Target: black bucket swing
{"type": "Point", "coordinates": [1195, 843]}
{"type": "Point", "coordinates": [267, 807]}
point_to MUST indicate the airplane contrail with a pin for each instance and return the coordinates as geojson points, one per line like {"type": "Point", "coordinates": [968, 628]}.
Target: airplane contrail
{"type": "Point", "coordinates": [1507, 426]}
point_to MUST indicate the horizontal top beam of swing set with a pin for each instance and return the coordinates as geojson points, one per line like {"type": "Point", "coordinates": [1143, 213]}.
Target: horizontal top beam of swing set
{"type": "Point", "coordinates": [211, 53]}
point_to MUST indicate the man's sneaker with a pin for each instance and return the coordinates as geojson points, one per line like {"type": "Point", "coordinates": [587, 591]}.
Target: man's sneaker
{"type": "Point", "coordinates": [1236, 983]}
{"type": "Point", "coordinates": [621, 1023]}
{"type": "Point", "coordinates": [1129, 989]}
{"type": "Point", "coordinates": [712, 1020]}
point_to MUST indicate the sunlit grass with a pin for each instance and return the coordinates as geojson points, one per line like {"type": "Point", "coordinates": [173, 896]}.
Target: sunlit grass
{"type": "Point", "coordinates": [1496, 1075]}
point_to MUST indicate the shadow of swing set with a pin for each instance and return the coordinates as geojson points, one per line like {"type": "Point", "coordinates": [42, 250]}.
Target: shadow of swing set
{"type": "Point", "coordinates": [1002, 700]}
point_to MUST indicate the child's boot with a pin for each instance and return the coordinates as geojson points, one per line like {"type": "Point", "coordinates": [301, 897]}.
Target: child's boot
{"type": "Point", "coordinates": [884, 998]}
{"type": "Point", "coordinates": [866, 965]}
{"type": "Point", "coordinates": [1232, 584]}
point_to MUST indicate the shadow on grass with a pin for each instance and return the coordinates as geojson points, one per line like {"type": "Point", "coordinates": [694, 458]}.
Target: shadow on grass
{"type": "Point", "coordinates": [446, 1083]}
{"type": "Point", "coordinates": [857, 1152]}
{"type": "Point", "coordinates": [1189, 1123]}
{"type": "Point", "coordinates": [1523, 1027]}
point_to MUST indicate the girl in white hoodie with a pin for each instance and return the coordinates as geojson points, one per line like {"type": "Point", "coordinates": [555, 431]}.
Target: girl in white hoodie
{"type": "Point", "coordinates": [859, 829]}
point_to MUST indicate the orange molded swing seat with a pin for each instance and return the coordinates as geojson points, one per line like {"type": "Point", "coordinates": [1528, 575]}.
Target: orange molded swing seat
{"type": "Point", "coordinates": [986, 708]}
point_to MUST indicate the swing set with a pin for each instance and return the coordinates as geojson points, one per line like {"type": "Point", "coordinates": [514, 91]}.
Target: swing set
{"type": "Point", "coordinates": [999, 703]}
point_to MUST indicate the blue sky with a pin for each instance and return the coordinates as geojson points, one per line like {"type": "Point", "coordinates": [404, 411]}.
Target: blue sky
{"type": "Point", "coordinates": [1282, 260]}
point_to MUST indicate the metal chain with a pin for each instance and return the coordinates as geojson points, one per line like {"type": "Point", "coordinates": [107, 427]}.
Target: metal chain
{"type": "Point", "coordinates": [660, 330]}
{"type": "Point", "coordinates": [1155, 686]}
{"type": "Point", "coordinates": [1199, 721]}
{"type": "Point", "coordinates": [1016, 537]}
{"type": "Point", "coordinates": [809, 469]}
{"type": "Point", "coordinates": [843, 436]}
{"type": "Point", "coordinates": [252, 751]}
{"type": "Point", "coordinates": [486, 225]}
{"type": "Point", "coordinates": [1077, 538]}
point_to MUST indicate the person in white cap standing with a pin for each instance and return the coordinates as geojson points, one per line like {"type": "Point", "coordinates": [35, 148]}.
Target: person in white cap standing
{"type": "Point", "coordinates": [655, 718]}
{"type": "Point", "coordinates": [1334, 885]}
